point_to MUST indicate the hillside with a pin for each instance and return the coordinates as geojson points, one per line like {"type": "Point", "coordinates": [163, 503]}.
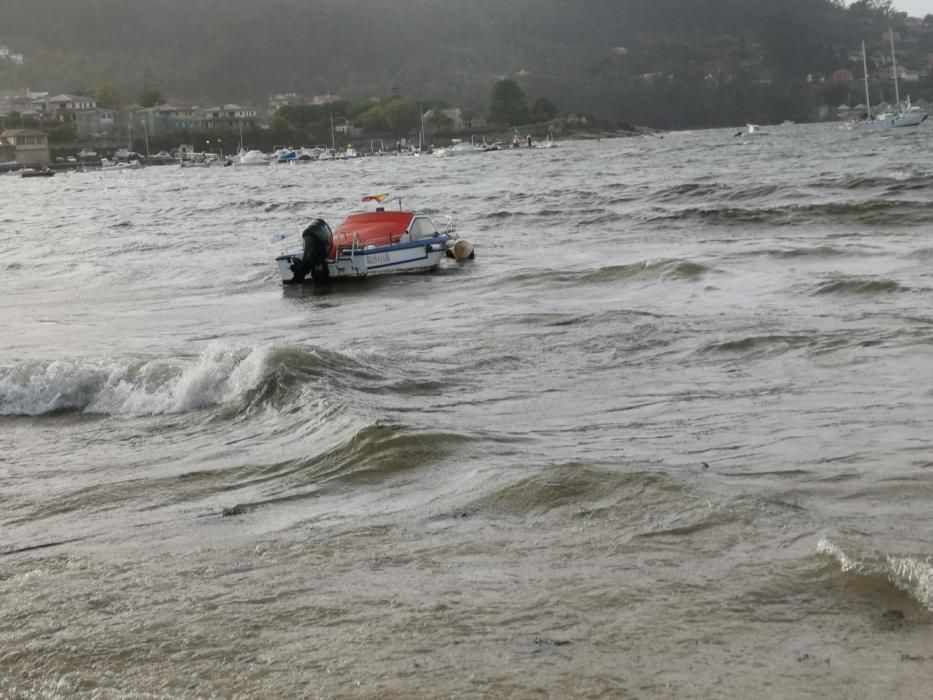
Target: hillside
{"type": "Point", "coordinates": [720, 61]}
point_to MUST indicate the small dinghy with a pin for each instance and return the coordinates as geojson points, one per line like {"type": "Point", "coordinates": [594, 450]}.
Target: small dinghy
{"type": "Point", "coordinates": [37, 173]}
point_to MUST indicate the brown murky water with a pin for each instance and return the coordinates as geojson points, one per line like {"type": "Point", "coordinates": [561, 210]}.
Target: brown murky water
{"type": "Point", "coordinates": [669, 435]}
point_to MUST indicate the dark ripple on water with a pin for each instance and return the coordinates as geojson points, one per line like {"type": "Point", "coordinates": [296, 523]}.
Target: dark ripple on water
{"type": "Point", "coordinates": [865, 213]}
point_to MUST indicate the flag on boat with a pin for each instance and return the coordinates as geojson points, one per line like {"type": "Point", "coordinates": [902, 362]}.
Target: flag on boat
{"type": "Point", "coordinates": [376, 197]}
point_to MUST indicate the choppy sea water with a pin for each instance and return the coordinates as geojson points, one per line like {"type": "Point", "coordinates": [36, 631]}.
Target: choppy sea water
{"type": "Point", "coordinates": [668, 436]}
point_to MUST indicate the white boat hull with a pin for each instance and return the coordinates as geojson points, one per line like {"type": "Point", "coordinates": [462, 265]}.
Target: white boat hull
{"type": "Point", "coordinates": [406, 258]}
{"type": "Point", "coordinates": [894, 121]}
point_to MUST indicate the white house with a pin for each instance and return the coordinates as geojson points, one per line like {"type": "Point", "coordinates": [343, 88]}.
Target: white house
{"type": "Point", "coordinates": [7, 151]}
{"type": "Point", "coordinates": [7, 55]}
{"type": "Point", "coordinates": [230, 116]}
{"type": "Point", "coordinates": [454, 115]}
{"type": "Point", "coordinates": [166, 119]}
{"type": "Point", "coordinates": [30, 147]}
{"type": "Point", "coordinates": [65, 108]}
{"type": "Point", "coordinates": [283, 100]}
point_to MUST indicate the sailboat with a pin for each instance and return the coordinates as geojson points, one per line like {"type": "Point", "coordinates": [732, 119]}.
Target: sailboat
{"type": "Point", "coordinates": [900, 115]}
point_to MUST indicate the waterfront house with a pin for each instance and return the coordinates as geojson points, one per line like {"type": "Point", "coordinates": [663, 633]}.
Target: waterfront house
{"type": "Point", "coordinates": [63, 108]}
{"type": "Point", "coordinates": [9, 56]}
{"type": "Point", "coordinates": [347, 129]}
{"type": "Point", "coordinates": [168, 119]}
{"type": "Point", "coordinates": [454, 116]}
{"type": "Point", "coordinates": [30, 146]}
{"type": "Point", "coordinates": [7, 151]}
{"type": "Point", "coordinates": [228, 116]}
{"type": "Point", "coordinates": [283, 100]}
{"type": "Point", "coordinates": [77, 110]}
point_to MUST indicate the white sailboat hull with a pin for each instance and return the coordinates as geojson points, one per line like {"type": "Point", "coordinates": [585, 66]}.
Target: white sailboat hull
{"type": "Point", "coordinates": [893, 121]}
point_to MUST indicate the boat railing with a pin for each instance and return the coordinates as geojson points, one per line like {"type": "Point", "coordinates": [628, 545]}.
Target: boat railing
{"type": "Point", "coordinates": [355, 245]}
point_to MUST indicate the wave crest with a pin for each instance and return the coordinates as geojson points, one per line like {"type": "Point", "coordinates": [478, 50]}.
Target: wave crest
{"type": "Point", "coordinates": [217, 376]}
{"type": "Point", "coordinates": [911, 574]}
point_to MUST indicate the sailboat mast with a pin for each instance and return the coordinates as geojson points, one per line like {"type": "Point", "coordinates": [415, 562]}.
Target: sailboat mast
{"type": "Point", "coordinates": [897, 95]}
{"type": "Point", "coordinates": [865, 70]}
{"type": "Point", "coordinates": [333, 138]}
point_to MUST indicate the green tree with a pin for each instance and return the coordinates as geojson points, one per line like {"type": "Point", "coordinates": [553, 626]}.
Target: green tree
{"type": "Point", "coordinates": [438, 120]}
{"type": "Point", "coordinates": [150, 97]}
{"type": "Point", "coordinates": [508, 104]}
{"type": "Point", "coordinates": [397, 116]}
{"type": "Point", "coordinates": [543, 110]}
{"type": "Point", "coordinates": [107, 96]}
{"type": "Point", "coordinates": [402, 116]}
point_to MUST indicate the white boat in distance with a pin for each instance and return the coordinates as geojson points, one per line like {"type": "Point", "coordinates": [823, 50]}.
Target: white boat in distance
{"type": "Point", "coordinates": [752, 130]}
{"type": "Point", "coordinates": [901, 115]}
{"type": "Point", "coordinates": [252, 158]}
{"type": "Point", "coordinates": [107, 165]}
{"type": "Point", "coordinates": [459, 148]}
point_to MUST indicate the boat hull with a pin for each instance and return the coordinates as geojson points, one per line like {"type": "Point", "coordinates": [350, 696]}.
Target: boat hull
{"type": "Point", "coordinates": [406, 258]}
{"type": "Point", "coordinates": [895, 122]}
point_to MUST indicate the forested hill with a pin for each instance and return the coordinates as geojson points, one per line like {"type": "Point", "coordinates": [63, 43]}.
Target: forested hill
{"type": "Point", "coordinates": [623, 59]}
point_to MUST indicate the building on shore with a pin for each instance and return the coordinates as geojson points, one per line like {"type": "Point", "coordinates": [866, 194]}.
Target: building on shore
{"type": "Point", "coordinates": [30, 146]}
{"type": "Point", "coordinates": [168, 119]}
{"type": "Point", "coordinates": [229, 116]}
{"type": "Point", "coordinates": [7, 151]}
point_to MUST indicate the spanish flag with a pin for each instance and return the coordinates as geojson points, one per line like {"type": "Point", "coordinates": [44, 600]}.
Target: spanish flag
{"type": "Point", "coordinates": [376, 197]}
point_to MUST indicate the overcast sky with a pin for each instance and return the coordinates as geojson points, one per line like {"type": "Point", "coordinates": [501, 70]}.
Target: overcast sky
{"type": "Point", "coordinates": [915, 8]}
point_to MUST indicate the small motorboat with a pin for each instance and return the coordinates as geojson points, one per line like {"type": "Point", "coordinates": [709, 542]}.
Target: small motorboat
{"type": "Point", "coordinates": [108, 166]}
{"type": "Point", "coordinates": [370, 243]}
{"type": "Point", "coordinates": [458, 148]}
{"type": "Point", "coordinates": [37, 173]}
{"type": "Point", "coordinates": [252, 158]}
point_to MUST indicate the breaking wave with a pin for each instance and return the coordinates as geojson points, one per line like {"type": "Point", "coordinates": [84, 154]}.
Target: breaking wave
{"type": "Point", "coordinates": [216, 377]}
{"type": "Point", "coordinates": [911, 574]}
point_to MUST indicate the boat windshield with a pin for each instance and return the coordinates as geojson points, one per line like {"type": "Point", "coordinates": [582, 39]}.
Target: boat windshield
{"type": "Point", "coordinates": [422, 227]}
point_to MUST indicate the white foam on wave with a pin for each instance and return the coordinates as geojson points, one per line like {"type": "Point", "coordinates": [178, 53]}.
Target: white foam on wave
{"type": "Point", "coordinates": [154, 387]}
{"type": "Point", "coordinates": [911, 574]}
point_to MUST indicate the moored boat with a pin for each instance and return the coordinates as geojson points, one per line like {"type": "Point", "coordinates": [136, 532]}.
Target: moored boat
{"type": "Point", "coordinates": [107, 165]}
{"type": "Point", "coordinates": [251, 158]}
{"type": "Point", "coordinates": [370, 243]}
{"type": "Point", "coordinates": [902, 115]}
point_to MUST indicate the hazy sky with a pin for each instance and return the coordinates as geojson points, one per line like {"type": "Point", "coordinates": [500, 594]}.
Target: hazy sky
{"type": "Point", "coordinates": [915, 8]}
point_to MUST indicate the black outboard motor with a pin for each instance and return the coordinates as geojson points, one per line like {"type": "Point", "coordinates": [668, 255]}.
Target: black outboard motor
{"type": "Point", "coordinates": [317, 239]}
